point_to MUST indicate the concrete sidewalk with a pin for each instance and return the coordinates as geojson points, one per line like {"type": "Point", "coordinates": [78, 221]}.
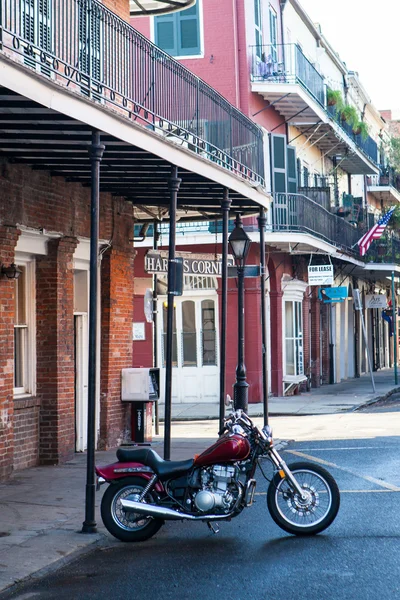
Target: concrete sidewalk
{"type": "Point", "coordinates": [42, 509]}
{"type": "Point", "coordinates": [345, 396]}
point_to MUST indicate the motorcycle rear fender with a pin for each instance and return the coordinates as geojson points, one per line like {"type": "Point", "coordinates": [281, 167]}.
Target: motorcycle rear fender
{"type": "Point", "coordinates": [120, 470]}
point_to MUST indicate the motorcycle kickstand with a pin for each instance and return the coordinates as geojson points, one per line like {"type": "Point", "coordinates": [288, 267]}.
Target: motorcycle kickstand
{"type": "Point", "coordinates": [213, 528]}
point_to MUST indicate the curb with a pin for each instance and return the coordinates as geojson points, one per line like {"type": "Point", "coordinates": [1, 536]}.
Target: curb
{"type": "Point", "coordinates": [377, 399]}
{"type": "Point", "coordinates": [55, 566]}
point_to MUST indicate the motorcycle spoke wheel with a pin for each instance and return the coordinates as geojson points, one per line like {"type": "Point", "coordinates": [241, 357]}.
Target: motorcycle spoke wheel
{"type": "Point", "coordinates": [124, 525]}
{"type": "Point", "coordinates": [304, 516]}
{"type": "Point", "coordinates": [128, 520]}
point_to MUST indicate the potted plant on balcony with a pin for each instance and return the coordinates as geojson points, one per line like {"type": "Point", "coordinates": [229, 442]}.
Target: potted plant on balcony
{"type": "Point", "coordinates": [334, 98]}
{"type": "Point", "coordinates": [384, 178]}
{"type": "Point", "coordinates": [361, 128]}
{"type": "Point", "coordinates": [350, 115]}
{"type": "Point", "coordinates": [394, 222]}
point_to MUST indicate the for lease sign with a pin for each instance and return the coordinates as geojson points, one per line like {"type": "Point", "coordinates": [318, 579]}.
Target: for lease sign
{"type": "Point", "coordinates": [320, 274]}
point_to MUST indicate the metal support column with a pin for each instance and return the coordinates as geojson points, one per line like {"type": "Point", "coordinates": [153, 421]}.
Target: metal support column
{"type": "Point", "coordinates": [225, 205]}
{"type": "Point", "coordinates": [394, 309]}
{"type": "Point", "coordinates": [173, 184]}
{"type": "Point", "coordinates": [155, 355]}
{"type": "Point", "coordinates": [262, 222]}
{"type": "Point", "coordinates": [96, 152]}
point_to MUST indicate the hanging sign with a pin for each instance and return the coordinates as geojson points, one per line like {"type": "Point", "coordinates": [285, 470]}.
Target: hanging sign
{"type": "Point", "coordinates": [357, 300]}
{"type": "Point", "coordinates": [156, 262]}
{"type": "Point", "coordinates": [320, 274]}
{"type": "Point", "coordinates": [375, 301]}
{"type": "Point", "coordinates": [148, 305]}
{"type": "Point", "coordinates": [333, 294]}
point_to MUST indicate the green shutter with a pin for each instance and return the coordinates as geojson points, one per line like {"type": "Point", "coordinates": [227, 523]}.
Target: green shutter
{"type": "Point", "coordinates": [179, 33]}
{"type": "Point", "coordinates": [291, 170]}
{"type": "Point", "coordinates": [165, 33]}
{"type": "Point", "coordinates": [278, 150]}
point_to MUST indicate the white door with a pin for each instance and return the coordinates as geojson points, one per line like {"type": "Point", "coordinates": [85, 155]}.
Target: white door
{"type": "Point", "coordinates": [195, 376]}
{"type": "Point", "coordinates": [81, 381]}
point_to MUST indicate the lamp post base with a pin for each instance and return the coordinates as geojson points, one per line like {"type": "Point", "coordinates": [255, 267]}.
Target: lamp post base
{"type": "Point", "coordinates": [241, 395]}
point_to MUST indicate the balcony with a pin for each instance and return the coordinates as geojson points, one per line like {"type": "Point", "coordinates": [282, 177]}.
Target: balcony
{"type": "Point", "coordinates": [296, 213]}
{"type": "Point", "coordinates": [283, 76]}
{"type": "Point", "coordinates": [385, 187]}
{"type": "Point", "coordinates": [386, 250]}
{"type": "Point", "coordinates": [85, 48]}
{"type": "Point", "coordinates": [368, 146]}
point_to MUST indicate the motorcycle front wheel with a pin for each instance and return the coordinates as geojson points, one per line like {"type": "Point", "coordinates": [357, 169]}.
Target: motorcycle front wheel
{"type": "Point", "coordinates": [311, 515]}
{"type": "Point", "coordinates": [127, 526]}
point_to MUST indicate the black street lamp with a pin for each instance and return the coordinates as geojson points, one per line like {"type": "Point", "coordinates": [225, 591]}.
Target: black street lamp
{"type": "Point", "coordinates": [240, 242]}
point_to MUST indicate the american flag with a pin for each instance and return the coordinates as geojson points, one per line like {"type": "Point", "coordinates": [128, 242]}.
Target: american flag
{"type": "Point", "coordinates": [374, 233]}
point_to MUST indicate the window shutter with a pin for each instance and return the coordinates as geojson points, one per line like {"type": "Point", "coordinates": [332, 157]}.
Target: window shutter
{"type": "Point", "coordinates": [188, 31]}
{"type": "Point", "coordinates": [95, 43]}
{"type": "Point", "coordinates": [179, 33]}
{"type": "Point", "coordinates": [165, 33]}
{"type": "Point", "coordinates": [291, 170]}
{"type": "Point", "coordinates": [44, 25]}
{"type": "Point", "coordinates": [278, 163]}
{"type": "Point", "coordinates": [273, 34]}
{"type": "Point", "coordinates": [28, 20]}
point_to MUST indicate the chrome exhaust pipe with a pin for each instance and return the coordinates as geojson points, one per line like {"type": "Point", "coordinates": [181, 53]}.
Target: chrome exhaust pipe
{"type": "Point", "coordinates": [159, 512]}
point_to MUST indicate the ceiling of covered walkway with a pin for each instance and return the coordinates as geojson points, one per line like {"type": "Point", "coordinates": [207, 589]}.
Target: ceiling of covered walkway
{"type": "Point", "coordinates": [38, 136]}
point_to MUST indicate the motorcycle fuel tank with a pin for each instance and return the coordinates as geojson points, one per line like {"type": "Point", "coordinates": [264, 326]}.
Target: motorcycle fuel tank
{"type": "Point", "coordinates": [228, 448]}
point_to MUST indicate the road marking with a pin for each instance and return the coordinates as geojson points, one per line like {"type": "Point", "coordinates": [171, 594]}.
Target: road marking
{"type": "Point", "coordinates": [351, 492]}
{"type": "Point", "coordinates": [326, 463]}
{"type": "Point", "coordinates": [344, 448]}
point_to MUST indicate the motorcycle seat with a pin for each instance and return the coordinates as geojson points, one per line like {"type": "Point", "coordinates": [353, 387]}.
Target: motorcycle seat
{"type": "Point", "coordinates": [165, 469]}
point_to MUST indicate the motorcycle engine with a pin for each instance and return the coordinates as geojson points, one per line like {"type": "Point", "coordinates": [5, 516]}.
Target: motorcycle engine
{"type": "Point", "coordinates": [216, 489]}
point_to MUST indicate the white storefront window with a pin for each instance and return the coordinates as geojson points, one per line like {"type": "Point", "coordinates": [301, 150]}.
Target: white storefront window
{"type": "Point", "coordinates": [24, 329]}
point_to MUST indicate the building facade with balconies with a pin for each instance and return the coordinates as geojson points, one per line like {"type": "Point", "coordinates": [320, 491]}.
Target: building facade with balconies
{"type": "Point", "coordinates": [274, 63]}
{"type": "Point", "coordinates": [90, 108]}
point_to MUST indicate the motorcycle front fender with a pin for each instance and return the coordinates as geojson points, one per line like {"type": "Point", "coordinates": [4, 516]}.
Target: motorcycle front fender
{"type": "Point", "coordinates": [118, 470]}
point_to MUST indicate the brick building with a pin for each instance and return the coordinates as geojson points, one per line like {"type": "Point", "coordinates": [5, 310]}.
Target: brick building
{"type": "Point", "coordinates": [60, 92]}
{"type": "Point", "coordinates": [271, 61]}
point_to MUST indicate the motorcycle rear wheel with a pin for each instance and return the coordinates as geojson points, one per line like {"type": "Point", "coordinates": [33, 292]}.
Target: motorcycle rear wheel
{"type": "Point", "coordinates": [312, 515]}
{"type": "Point", "coordinates": [125, 526]}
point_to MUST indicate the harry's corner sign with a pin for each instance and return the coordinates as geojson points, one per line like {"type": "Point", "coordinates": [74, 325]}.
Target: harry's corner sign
{"type": "Point", "coordinates": [156, 262]}
{"type": "Point", "coordinates": [320, 275]}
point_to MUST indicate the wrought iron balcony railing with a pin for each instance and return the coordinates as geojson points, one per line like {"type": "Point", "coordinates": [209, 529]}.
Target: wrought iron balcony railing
{"type": "Point", "coordinates": [368, 146]}
{"type": "Point", "coordinates": [297, 213]}
{"type": "Point", "coordinates": [385, 250]}
{"type": "Point", "coordinates": [86, 47]}
{"type": "Point", "coordinates": [387, 177]}
{"type": "Point", "coordinates": [286, 63]}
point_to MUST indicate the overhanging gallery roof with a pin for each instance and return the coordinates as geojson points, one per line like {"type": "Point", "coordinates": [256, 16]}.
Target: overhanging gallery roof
{"type": "Point", "coordinates": [158, 7]}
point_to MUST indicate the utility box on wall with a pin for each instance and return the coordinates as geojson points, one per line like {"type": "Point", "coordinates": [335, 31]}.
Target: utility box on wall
{"type": "Point", "coordinates": [140, 384]}
{"type": "Point", "coordinates": [141, 387]}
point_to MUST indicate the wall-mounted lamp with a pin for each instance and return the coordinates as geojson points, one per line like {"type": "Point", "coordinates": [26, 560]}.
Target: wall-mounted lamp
{"type": "Point", "coordinates": [11, 272]}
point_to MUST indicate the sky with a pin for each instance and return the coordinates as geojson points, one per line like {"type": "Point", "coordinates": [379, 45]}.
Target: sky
{"type": "Point", "coordinates": [366, 35]}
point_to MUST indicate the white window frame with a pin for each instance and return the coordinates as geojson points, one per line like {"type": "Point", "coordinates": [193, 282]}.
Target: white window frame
{"type": "Point", "coordinates": [273, 17]}
{"type": "Point", "coordinates": [258, 29]}
{"type": "Point", "coordinates": [29, 387]}
{"type": "Point", "coordinates": [293, 291]}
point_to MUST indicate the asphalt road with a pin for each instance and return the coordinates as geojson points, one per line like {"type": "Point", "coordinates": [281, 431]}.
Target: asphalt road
{"type": "Point", "coordinates": [358, 557]}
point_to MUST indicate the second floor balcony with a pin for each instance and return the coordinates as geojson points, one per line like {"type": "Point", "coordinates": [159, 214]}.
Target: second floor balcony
{"type": "Point", "coordinates": [296, 213]}
{"type": "Point", "coordinates": [385, 187]}
{"type": "Point", "coordinates": [284, 76]}
{"type": "Point", "coordinates": [86, 49]}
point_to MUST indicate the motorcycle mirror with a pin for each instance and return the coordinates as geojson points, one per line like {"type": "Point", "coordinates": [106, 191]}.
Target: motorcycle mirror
{"type": "Point", "coordinates": [228, 400]}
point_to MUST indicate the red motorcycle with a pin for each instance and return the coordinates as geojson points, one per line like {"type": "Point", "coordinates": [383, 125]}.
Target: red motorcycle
{"type": "Point", "coordinates": [146, 490]}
